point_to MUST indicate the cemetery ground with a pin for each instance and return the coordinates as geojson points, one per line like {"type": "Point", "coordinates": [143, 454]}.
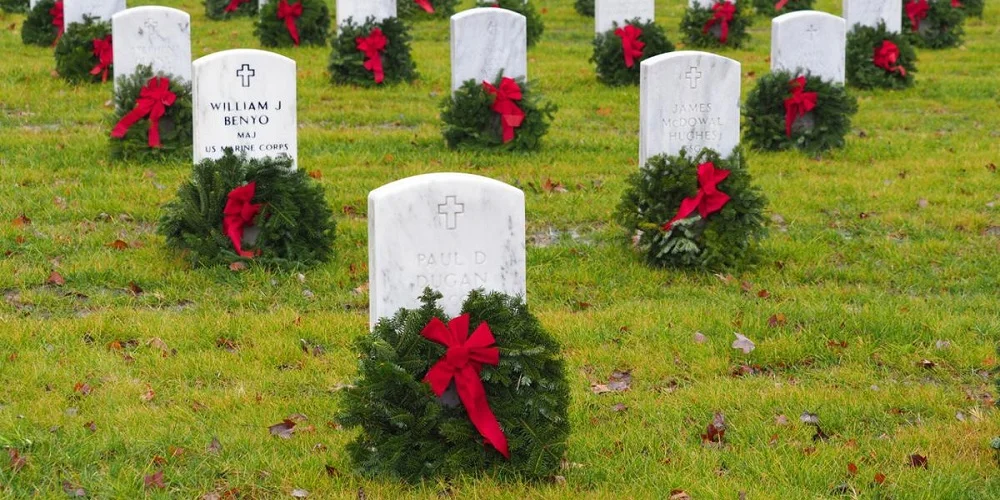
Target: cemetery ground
{"type": "Point", "coordinates": [874, 307]}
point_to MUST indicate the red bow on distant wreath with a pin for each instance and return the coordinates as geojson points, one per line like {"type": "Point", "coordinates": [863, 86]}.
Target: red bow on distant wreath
{"type": "Point", "coordinates": [780, 5]}
{"type": "Point", "coordinates": [58, 20]}
{"type": "Point", "coordinates": [154, 99]}
{"type": "Point", "coordinates": [104, 54]}
{"type": "Point", "coordinates": [708, 200]}
{"type": "Point", "coordinates": [234, 5]}
{"type": "Point", "coordinates": [289, 13]}
{"type": "Point", "coordinates": [373, 45]}
{"type": "Point", "coordinates": [800, 103]}
{"type": "Point", "coordinates": [462, 363]}
{"type": "Point", "coordinates": [238, 214]}
{"type": "Point", "coordinates": [886, 56]}
{"type": "Point", "coordinates": [426, 5]}
{"type": "Point", "coordinates": [723, 12]}
{"type": "Point", "coordinates": [511, 116]}
{"type": "Point", "coordinates": [631, 45]}
{"type": "Point", "coordinates": [917, 11]}
{"type": "Point", "coordinates": [956, 3]}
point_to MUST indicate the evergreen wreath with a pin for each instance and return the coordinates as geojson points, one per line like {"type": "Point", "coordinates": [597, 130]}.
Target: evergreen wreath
{"type": "Point", "coordinates": [535, 26]}
{"type": "Point", "coordinates": [414, 9]}
{"type": "Point", "coordinates": [770, 7]}
{"type": "Point", "coordinates": [220, 10]}
{"type": "Point", "coordinates": [609, 52]}
{"type": "Point", "coordinates": [696, 18]}
{"type": "Point", "coordinates": [295, 222]}
{"type": "Point", "coordinates": [347, 61]}
{"type": "Point", "coordinates": [471, 123]}
{"type": "Point", "coordinates": [407, 432]}
{"type": "Point", "coordinates": [14, 6]}
{"type": "Point", "coordinates": [972, 8]}
{"type": "Point", "coordinates": [175, 126]}
{"type": "Point", "coordinates": [654, 196]}
{"type": "Point", "coordinates": [311, 25]}
{"type": "Point", "coordinates": [941, 29]}
{"type": "Point", "coordinates": [75, 57]}
{"type": "Point", "coordinates": [863, 42]}
{"type": "Point", "coordinates": [584, 7]}
{"type": "Point", "coordinates": [38, 28]}
{"type": "Point", "coordinates": [822, 128]}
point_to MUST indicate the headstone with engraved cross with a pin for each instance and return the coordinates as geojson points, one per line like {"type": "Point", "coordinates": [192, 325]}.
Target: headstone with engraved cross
{"type": "Point", "coordinates": [872, 12]}
{"type": "Point", "coordinates": [812, 42]}
{"type": "Point", "coordinates": [360, 10]}
{"type": "Point", "coordinates": [607, 13]}
{"type": "Point", "coordinates": [688, 100]}
{"type": "Point", "coordinates": [244, 99]}
{"type": "Point", "coordinates": [75, 10]}
{"type": "Point", "coordinates": [451, 232]}
{"type": "Point", "coordinates": [486, 41]}
{"type": "Point", "coordinates": [159, 37]}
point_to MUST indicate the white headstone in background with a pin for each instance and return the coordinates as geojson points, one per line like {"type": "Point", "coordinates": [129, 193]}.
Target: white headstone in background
{"type": "Point", "coordinates": [688, 100]}
{"type": "Point", "coordinates": [609, 12]}
{"type": "Point", "coordinates": [159, 37]}
{"type": "Point", "coordinates": [705, 4]}
{"type": "Point", "coordinates": [31, 4]}
{"type": "Point", "coordinates": [486, 40]}
{"type": "Point", "coordinates": [451, 232]}
{"type": "Point", "coordinates": [872, 12]}
{"type": "Point", "coordinates": [360, 10]}
{"type": "Point", "coordinates": [75, 10]}
{"type": "Point", "coordinates": [244, 99]}
{"type": "Point", "coordinates": [810, 41]}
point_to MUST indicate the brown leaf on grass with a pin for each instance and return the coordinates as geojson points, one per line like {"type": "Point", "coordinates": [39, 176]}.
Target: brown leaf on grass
{"type": "Point", "coordinates": [17, 462]}
{"type": "Point", "coordinates": [620, 381]}
{"type": "Point", "coordinates": [781, 420]}
{"type": "Point", "coordinates": [918, 461]}
{"type": "Point", "coordinates": [361, 289]}
{"type": "Point", "coordinates": [316, 174]}
{"type": "Point", "coordinates": [158, 343]}
{"type": "Point", "coordinates": [299, 493]}
{"type": "Point", "coordinates": [154, 480]}
{"type": "Point", "coordinates": [992, 167]}
{"type": "Point", "coordinates": [879, 478]}
{"type": "Point", "coordinates": [927, 364]}
{"type": "Point", "coordinates": [55, 279]}
{"type": "Point", "coordinates": [284, 430]}
{"type": "Point", "coordinates": [777, 320]}
{"type": "Point", "coordinates": [134, 289]}
{"type": "Point", "coordinates": [604, 111]}
{"type": "Point", "coordinates": [73, 490]}
{"type": "Point", "coordinates": [118, 245]}
{"type": "Point", "coordinates": [82, 388]}
{"type": "Point", "coordinates": [21, 221]}
{"type": "Point", "coordinates": [227, 344]}
{"type": "Point", "coordinates": [764, 294]}
{"type": "Point", "coordinates": [852, 469]}
{"type": "Point", "coordinates": [679, 495]}
{"type": "Point", "coordinates": [744, 344]}
{"type": "Point", "coordinates": [90, 426]}
{"type": "Point", "coordinates": [715, 433]}
{"type": "Point", "coordinates": [620, 407]}
{"type": "Point", "coordinates": [215, 446]}
{"type": "Point", "coordinates": [148, 395]}
{"type": "Point", "coordinates": [699, 338]}
{"type": "Point", "coordinates": [837, 344]}
{"type": "Point", "coordinates": [159, 461]}
{"type": "Point", "coordinates": [553, 187]}
{"type": "Point", "coordinates": [237, 266]}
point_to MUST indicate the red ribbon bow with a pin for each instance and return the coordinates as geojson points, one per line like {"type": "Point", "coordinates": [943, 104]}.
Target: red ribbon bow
{"type": "Point", "coordinates": [58, 20]}
{"type": "Point", "coordinates": [234, 5]}
{"type": "Point", "coordinates": [723, 12]}
{"type": "Point", "coordinates": [373, 45]}
{"type": "Point", "coordinates": [104, 54]}
{"type": "Point", "coordinates": [956, 3]}
{"type": "Point", "coordinates": [238, 214]}
{"type": "Point", "coordinates": [631, 45]}
{"type": "Point", "coordinates": [426, 5]}
{"type": "Point", "coordinates": [780, 5]}
{"type": "Point", "coordinates": [917, 11]}
{"type": "Point", "coordinates": [511, 116]}
{"type": "Point", "coordinates": [153, 100]}
{"type": "Point", "coordinates": [462, 363]}
{"type": "Point", "coordinates": [289, 13]}
{"type": "Point", "coordinates": [708, 200]}
{"type": "Point", "coordinates": [800, 103]}
{"type": "Point", "coordinates": [886, 56]}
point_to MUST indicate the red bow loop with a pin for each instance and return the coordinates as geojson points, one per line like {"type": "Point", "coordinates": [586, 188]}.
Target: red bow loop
{"type": "Point", "coordinates": [956, 3]}
{"type": "Point", "coordinates": [104, 54]}
{"type": "Point", "coordinates": [631, 45]}
{"type": "Point", "coordinates": [511, 116]}
{"type": "Point", "coordinates": [154, 99]}
{"type": "Point", "coordinates": [800, 103]}
{"type": "Point", "coordinates": [234, 5]}
{"type": "Point", "coordinates": [58, 20]}
{"type": "Point", "coordinates": [290, 13]}
{"type": "Point", "coordinates": [238, 214]}
{"type": "Point", "coordinates": [463, 362]}
{"type": "Point", "coordinates": [780, 5]}
{"type": "Point", "coordinates": [708, 200]}
{"type": "Point", "coordinates": [917, 11]}
{"type": "Point", "coordinates": [722, 14]}
{"type": "Point", "coordinates": [886, 57]}
{"type": "Point", "coordinates": [372, 46]}
{"type": "Point", "coordinates": [426, 5]}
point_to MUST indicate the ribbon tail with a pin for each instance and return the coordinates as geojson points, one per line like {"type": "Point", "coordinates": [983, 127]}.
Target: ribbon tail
{"type": "Point", "coordinates": [154, 132]}
{"type": "Point", "coordinates": [292, 30]}
{"type": "Point", "coordinates": [121, 128]}
{"type": "Point", "coordinates": [780, 5]}
{"type": "Point", "coordinates": [473, 396]}
{"type": "Point", "coordinates": [725, 31]}
{"type": "Point", "coordinates": [688, 206]}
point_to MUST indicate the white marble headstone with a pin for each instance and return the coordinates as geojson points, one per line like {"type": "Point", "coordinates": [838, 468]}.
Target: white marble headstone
{"type": "Point", "coordinates": [244, 99]}
{"type": "Point", "coordinates": [706, 4]}
{"type": "Point", "coordinates": [688, 100]}
{"type": "Point", "coordinates": [360, 10]}
{"type": "Point", "coordinates": [609, 12]}
{"type": "Point", "coordinates": [486, 40]}
{"type": "Point", "coordinates": [871, 12]}
{"type": "Point", "coordinates": [451, 232]}
{"type": "Point", "coordinates": [75, 10]}
{"type": "Point", "coordinates": [810, 41]}
{"type": "Point", "coordinates": [159, 37]}
{"type": "Point", "coordinates": [31, 4]}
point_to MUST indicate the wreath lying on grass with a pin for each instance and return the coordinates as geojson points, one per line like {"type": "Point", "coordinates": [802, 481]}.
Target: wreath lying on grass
{"type": "Point", "coordinates": [584, 7]}
{"type": "Point", "coordinates": [807, 113]}
{"type": "Point", "coordinates": [695, 212]}
{"type": "Point", "coordinates": [933, 24]}
{"type": "Point", "coordinates": [422, 9]}
{"type": "Point", "coordinates": [228, 9]}
{"type": "Point", "coordinates": [152, 118]}
{"type": "Point", "coordinates": [84, 53]}
{"type": "Point", "coordinates": [505, 113]}
{"type": "Point", "coordinates": [972, 8]}
{"type": "Point", "coordinates": [722, 25]}
{"type": "Point", "coordinates": [284, 23]}
{"type": "Point", "coordinates": [14, 6]}
{"type": "Point", "coordinates": [509, 372]}
{"type": "Point", "coordinates": [773, 8]}
{"type": "Point", "coordinates": [44, 24]}
{"type": "Point", "coordinates": [227, 201]}
{"type": "Point", "coordinates": [618, 51]}
{"type": "Point", "coordinates": [374, 53]}
{"type": "Point", "coordinates": [535, 26]}
{"type": "Point", "coordinates": [878, 58]}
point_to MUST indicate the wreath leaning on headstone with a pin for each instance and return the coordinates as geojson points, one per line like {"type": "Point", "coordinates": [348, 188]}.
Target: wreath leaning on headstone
{"type": "Point", "coordinates": [584, 7]}
{"type": "Point", "coordinates": [535, 26]}
{"type": "Point", "coordinates": [773, 8]}
{"type": "Point", "coordinates": [722, 25]}
{"type": "Point", "coordinates": [694, 211]}
{"type": "Point", "coordinates": [806, 112]}
{"type": "Point", "coordinates": [933, 24]}
{"type": "Point", "coordinates": [373, 53]}
{"type": "Point", "coordinates": [506, 113]}
{"type": "Point", "coordinates": [423, 9]}
{"type": "Point", "coordinates": [44, 24]}
{"type": "Point", "coordinates": [618, 51]}
{"type": "Point", "coordinates": [229, 9]}
{"type": "Point", "coordinates": [510, 419]}
{"type": "Point", "coordinates": [83, 54]}
{"type": "Point", "coordinates": [878, 58]}
{"type": "Point", "coordinates": [14, 6]}
{"type": "Point", "coordinates": [152, 118]}
{"type": "Point", "coordinates": [254, 210]}
{"type": "Point", "coordinates": [284, 23]}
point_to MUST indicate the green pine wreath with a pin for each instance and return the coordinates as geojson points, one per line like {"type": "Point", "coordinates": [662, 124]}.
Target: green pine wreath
{"type": "Point", "coordinates": [693, 28]}
{"type": "Point", "coordinates": [609, 57]}
{"type": "Point", "coordinates": [296, 223]}
{"type": "Point", "coordinates": [943, 27]}
{"type": "Point", "coordinates": [768, 7]}
{"type": "Point", "coordinates": [347, 63]}
{"type": "Point", "coordinates": [973, 8]}
{"type": "Point", "coordinates": [727, 238]}
{"type": "Point", "coordinates": [175, 125]}
{"type": "Point", "coordinates": [216, 9]}
{"type": "Point", "coordinates": [38, 28]}
{"type": "Point", "coordinates": [471, 123]}
{"type": "Point", "coordinates": [407, 433]}
{"type": "Point", "coordinates": [535, 26]}
{"type": "Point", "coordinates": [14, 6]}
{"type": "Point", "coordinates": [409, 9]}
{"type": "Point", "coordinates": [584, 7]}
{"type": "Point", "coordinates": [823, 128]}
{"type": "Point", "coordinates": [313, 25]}
{"type": "Point", "coordinates": [862, 72]}
{"type": "Point", "coordinates": [75, 51]}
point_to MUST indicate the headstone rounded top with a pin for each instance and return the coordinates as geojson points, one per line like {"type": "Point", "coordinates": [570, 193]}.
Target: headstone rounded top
{"type": "Point", "coordinates": [812, 42]}
{"type": "Point", "coordinates": [486, 10]}
{"type": "Point", "coordinates": [74, 11]}
{"type": "Point", "coordinates": [486, 41]}
{"type": "Point", "coordinates": [155, 36]}
{"type": "Point", "coordinates": [871, 12]}
{"type": "Point", "coordinates": [609, 12]}
{"type": "Point", "coordinates": [360, 10]}
{"type": "Point", "coordinates": [685, 55]}
{"type": "Point", "coordinates": [799, 14]}
{"type": "Point", "coordinates": [423, 181]}
{"type": "Point", "coordinates": [203, 60]}
{"type": "Point", "coordinates": [148, 9]}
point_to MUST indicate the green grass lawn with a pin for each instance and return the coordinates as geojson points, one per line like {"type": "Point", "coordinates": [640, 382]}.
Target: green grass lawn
{"type": "Point", "coordinates": [876, 253]}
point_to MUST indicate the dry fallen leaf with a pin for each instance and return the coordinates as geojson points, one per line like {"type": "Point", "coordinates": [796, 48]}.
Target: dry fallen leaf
{"type": "Point", "coordinates": [73, 490]}
{"type": "Point", "coordinates": [284, 430]}
{"type": "Point", "coordinates": [215, 446]}
{"type": "Point", "coordinates": [716, 430]}
{"type": "Point", "coordinates": [777, 320]}
{"type": "Point", "coordinates": [299, 493]}
{"type": "Point", "coordinates": [700, 338]}
{"type": "Point", "coordinates": [21, 221]}
{"type": "Point", "coordinates": [55, 279]}
{"type": "Point", "coordinates": [679, 495]}
{"type": "Point", "coordinates": [154, 480]}
{"type": "Point", "coordinates": [744, 344]}
{"type": "Point", "coordinates": [879, 478]}
{"type": "Point", "coordinates": [17, 462]}
{"type": "Point", "coordinates": [148, 395]}
{"type": "Point", "coordinates": [852, 469]}
{"type": "Point", "coordinates": [118, 245]}
{"type": "Point", "coordinates": [917, 460]}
